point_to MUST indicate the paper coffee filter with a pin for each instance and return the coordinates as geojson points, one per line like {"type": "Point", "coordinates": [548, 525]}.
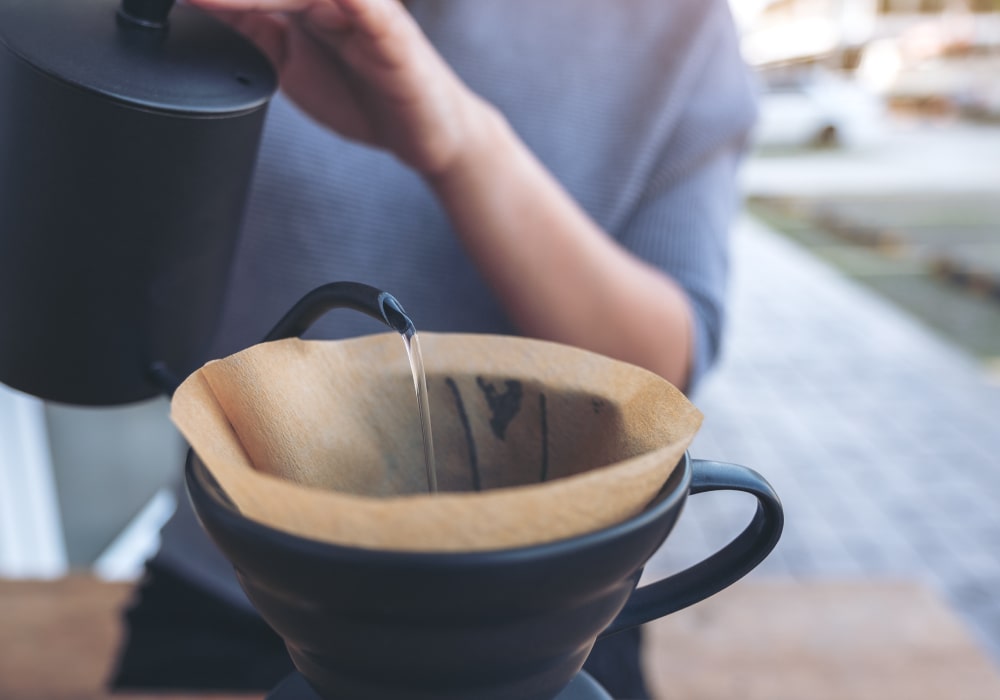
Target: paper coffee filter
{"type": "Point", "coordinates": [535, 441]}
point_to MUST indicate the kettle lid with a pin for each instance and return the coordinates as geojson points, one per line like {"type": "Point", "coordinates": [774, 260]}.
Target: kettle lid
{"type": "Point", "coordinates": [192, 64]}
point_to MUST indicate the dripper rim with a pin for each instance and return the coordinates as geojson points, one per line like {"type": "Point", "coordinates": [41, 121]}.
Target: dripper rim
{"type": "Point", "coordinates": [203, 489]}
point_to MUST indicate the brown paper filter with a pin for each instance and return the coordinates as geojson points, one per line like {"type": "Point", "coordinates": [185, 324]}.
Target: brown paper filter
{"type": "Point", "coordinates": [535, 441]}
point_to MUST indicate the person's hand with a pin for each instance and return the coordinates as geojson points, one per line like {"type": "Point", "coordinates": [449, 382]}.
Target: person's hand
{"type": "Point", "coordinates": [365, 69]}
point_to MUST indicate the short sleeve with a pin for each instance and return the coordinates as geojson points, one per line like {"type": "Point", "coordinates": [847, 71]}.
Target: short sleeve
{"type": "Point", "coordinates": [681, 222]}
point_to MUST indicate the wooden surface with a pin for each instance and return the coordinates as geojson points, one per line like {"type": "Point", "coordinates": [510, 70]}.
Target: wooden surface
{"type": "Point", "coordinates": [58, 640]}
{"type": "Point", "coordinates": [758, 640]}
{"type": "Point", "coordinates": [817, 641]}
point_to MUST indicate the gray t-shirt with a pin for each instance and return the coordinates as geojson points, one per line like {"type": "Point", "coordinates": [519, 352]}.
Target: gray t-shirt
{"type": "Point", "coordinates": [640, 108]}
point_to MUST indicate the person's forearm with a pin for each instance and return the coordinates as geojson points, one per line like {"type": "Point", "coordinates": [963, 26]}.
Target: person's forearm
{"type": "Point", "coordinates": [558, 275]}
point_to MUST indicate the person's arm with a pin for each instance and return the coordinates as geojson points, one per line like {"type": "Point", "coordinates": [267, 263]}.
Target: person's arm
{"type": "Point", "coordinates": [364, 68]}
{"type": "Point", "coordinates": [558, 275]}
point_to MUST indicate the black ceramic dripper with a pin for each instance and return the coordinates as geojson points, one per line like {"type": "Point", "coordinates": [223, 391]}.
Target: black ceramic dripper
{"type": "Point", "coordinates": [302, 472]}
{"type": "Point", "coordinates": [128, 136]}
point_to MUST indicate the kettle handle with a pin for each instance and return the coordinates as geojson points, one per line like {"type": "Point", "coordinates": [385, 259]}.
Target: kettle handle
{"type": "Point", "coordinates": [722, 569]}
{"type": "Point", "coordinates": [369, 300]}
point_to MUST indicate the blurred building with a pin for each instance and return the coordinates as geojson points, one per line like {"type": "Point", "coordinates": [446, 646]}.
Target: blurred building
{"type": "Point", "coordinates": [782, 31]}
{"type": "Point", "coordinates": [940, 56]}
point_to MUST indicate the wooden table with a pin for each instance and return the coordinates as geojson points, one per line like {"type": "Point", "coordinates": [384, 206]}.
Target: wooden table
{"type": "Point", "coordinates": [58, 640]}
{"type": "Point", "coordinates": [783, 640]}
{"type": "Point", "coordinates": [758, 640]}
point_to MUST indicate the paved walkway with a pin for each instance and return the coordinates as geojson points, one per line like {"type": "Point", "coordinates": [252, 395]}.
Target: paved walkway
{"type": "Point", "coordinates": [882, 440]}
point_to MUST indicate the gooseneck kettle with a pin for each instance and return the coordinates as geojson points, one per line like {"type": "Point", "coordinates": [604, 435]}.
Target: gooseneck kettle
{"type": "Point", "coordinates": [128, 136]}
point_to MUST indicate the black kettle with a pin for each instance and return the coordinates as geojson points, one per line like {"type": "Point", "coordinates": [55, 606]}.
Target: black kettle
{"type": "Point", "coordinates": [128, 136]}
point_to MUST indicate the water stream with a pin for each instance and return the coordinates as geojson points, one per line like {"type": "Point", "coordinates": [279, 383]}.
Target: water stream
{"type": "Point", "coordinates": [412, 343]}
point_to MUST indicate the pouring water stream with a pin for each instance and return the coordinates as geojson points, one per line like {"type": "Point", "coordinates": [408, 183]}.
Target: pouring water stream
{"type": "Point", "coordinates": [399, 321]}
{"type": "Point", "coordinates": [412, 343]}
{"type": "Point", "coordinates": [383, 307]}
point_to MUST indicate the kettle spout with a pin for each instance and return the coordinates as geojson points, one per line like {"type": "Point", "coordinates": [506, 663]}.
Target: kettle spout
{"type": "Point", "coordinates": [369, 300]}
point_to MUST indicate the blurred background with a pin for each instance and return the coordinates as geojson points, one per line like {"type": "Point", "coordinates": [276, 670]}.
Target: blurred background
{"type": "Point", "coordinates": [898, 102]}
{"type": "Point", "coordinates": [861, 374]}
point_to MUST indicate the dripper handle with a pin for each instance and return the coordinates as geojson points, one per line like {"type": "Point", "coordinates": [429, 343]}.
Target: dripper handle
{"type": "Point", "coordinates": [725, 567]}
{"type": "Point", "coordinates": [369, 300]}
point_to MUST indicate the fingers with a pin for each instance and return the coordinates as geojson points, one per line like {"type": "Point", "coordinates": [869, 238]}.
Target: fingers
{"type": "Point", "coordinates": [255, 5]}
{"type": "Point", "coordinates": [268, 32]}
{"type": "Point", "coordinates": [385, 24]}
{"type": "Point", "coordinates": [366, 14]}
{"type": "Point", "coordinates": [328, 16]}
{"type": "Point", "coordinates": [372, 17]}
{"type": "Point", "coordinates": [376, 35]}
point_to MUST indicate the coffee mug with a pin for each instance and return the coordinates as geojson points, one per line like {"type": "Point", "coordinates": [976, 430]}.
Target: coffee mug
{"type": "Point", "coordinates": [486, 625]}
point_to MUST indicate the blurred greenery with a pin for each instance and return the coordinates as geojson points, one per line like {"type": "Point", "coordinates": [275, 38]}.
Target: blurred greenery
{"type": "Point", "coordinates": [936, 257]}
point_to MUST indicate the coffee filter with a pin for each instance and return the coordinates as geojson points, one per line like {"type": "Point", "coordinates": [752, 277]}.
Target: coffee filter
{"type": "Point", "coordinates": [535, 441]}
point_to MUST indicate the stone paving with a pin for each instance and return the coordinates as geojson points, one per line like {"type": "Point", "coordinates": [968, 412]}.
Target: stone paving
{"type": "Point", "coordinates": [882, 439]}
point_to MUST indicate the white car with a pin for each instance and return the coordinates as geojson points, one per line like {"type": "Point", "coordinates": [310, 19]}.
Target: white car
{"type": "Point", "coordinates": [810, 111]}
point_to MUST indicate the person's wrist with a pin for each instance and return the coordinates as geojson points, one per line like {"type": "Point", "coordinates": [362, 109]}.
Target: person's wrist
{"type": "Point", "coordinates": [483, 134]}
